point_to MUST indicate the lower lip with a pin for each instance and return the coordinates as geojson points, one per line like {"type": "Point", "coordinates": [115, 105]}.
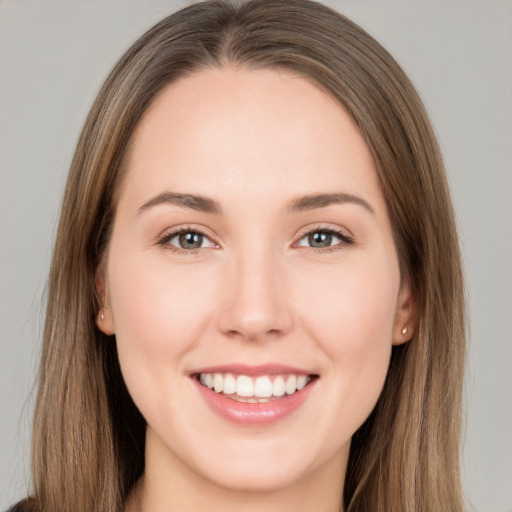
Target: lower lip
{"type": "Point", "coordinates": [245, 413]}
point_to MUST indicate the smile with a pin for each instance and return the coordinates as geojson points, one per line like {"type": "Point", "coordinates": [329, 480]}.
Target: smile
{"type": "Point", "coordinates": [261, 389]}
{"type": "Point", "coordinates": [254, 395]}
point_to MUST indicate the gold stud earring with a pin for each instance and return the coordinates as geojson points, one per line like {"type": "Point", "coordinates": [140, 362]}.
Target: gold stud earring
{"type": "Point", "coordinates": [404, 331]}
{"type": "Point", "coordinates": [104, 305]}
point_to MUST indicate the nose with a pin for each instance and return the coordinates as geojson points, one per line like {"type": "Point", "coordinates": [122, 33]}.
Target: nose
{"type": "Point", "coordinates": [254, 304]}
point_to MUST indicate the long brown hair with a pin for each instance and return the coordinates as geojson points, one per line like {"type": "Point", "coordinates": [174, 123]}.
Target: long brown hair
{"type": "Point", "coordinates": [88, 443]}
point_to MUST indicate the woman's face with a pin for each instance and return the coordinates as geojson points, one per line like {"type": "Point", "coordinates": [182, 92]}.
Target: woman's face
{"type": "Point", "coordinates": [252, 252]}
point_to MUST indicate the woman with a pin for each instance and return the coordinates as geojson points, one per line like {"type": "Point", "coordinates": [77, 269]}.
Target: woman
{"type": "Point", "coordinates": [262, 308]}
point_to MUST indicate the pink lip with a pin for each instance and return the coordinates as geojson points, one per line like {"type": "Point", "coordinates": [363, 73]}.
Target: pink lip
{"type": "Point", "coordinates": [243, 413]}
{"type": "Point", "coordinates": [253, 370]}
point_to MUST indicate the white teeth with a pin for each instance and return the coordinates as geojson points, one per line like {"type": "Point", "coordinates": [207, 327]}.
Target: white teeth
{"type": "Point", "coordinates": [229, 384]}
{"type": "Point", "coordinates": [291, 384]}
{"type": "Point", "coordinates": [218, 383]}
{"type": "Point", "coordinates": [278, 387]}
{"type": "Point", "coordinates": [302, 380]}
{"type": "Point", "coordinates": [254, 390]}
{"type": "Point", "coordinates": [251, 400]}
{"type": "Point", "coordinates": [263, 387]}
{"type": "Point", "coordinates": [244, 386]}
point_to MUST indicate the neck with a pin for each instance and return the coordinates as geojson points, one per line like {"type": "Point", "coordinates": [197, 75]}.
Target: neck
{"type": "Point", "coordinates": [168, 485]}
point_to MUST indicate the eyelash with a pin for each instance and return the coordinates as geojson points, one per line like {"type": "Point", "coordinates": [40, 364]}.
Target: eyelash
{"type": "Point", "coordinates": [164, 240]}
{"type": "Point", "coordinates": [345, 239]}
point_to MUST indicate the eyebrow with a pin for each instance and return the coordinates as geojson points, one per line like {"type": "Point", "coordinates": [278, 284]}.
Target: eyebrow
{"type": "Point", "coordinates": [312, 201]}
{"type": "Point", "coordinates": [194, 202]}
{"type": "Point", "coordinates": [299, 204]}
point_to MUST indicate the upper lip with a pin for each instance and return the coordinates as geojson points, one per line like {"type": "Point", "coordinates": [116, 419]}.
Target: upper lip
{"type": "Point", "coordinates": [253, 370]}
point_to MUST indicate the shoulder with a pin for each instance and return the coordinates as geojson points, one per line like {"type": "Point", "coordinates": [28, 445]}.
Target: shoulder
{"type": "Point", "coordinates": [19, 507]}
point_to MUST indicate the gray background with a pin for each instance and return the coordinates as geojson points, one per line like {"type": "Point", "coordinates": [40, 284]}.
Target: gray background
{"type": "Point", "coordinates": [53, 57]}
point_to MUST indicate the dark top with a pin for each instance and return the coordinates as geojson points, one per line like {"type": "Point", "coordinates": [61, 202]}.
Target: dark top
{"type": "Point", "coordinates": [19, 507]}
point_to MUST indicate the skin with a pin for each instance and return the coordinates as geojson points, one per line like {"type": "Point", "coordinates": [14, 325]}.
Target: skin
{"type": "Point", "coordinates": [256, 292]}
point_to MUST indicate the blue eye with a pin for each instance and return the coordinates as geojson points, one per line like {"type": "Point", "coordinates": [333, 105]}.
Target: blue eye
{"type": "Point", "coordinates": [186, 240]}
{"type": "Point", "coordinates": [324, 239]}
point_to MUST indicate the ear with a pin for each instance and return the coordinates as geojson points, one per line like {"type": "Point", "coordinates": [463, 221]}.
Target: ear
{"type": "Point", "coordinates": [406, 313]}
{"type": "Point", "coordinates": [104, 318]}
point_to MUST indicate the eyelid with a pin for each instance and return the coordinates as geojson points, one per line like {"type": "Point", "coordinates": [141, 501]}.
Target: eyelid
{"type": "Point", "coordinates": [168, 234]}
{"type": "Point", "coordinates": [343, 234]}
{"type": "Point", "coordinates": [346, 237]}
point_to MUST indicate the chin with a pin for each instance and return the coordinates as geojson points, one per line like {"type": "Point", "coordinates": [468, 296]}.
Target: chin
{"type": "Point", "coordinates": [268, 478]}
{"type": "Point", "coordinates": [267, 467]}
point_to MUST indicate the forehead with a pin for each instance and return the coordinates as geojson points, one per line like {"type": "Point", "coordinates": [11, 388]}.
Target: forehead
{"type": "Point", "coordinates": [230, 131]}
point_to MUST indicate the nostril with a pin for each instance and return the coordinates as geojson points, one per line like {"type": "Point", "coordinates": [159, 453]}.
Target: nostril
{"type": "Point", "coordinates": [252, 303]}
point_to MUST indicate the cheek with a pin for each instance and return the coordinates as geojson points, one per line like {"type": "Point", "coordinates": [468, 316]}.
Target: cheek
{"type": "Point", "coordinates": [351, 317]}
{"type": "Point", "coordinates": [352, 305]}
{"type": "Point", "coordinates": [159, 304]}
{"type": "Point", "coordinates": [159, 313]}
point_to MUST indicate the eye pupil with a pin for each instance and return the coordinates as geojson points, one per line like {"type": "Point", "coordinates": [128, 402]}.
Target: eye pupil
{"type": "Point", "coordinates": [320, 239]}
{"type": "Point", "coordinates": [190, 240]}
